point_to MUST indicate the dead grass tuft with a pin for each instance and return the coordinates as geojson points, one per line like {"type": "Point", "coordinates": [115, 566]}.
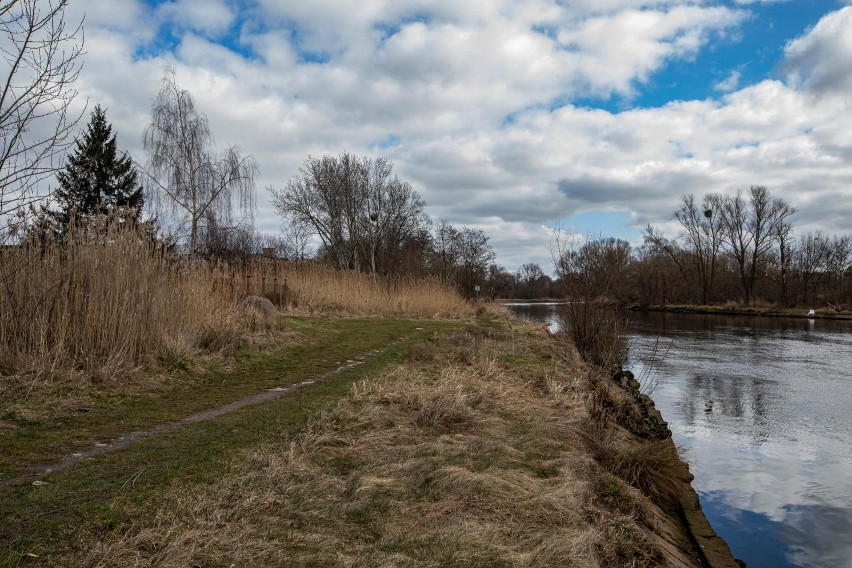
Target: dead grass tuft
{"type": "Point", "coordinates": [435, 464]}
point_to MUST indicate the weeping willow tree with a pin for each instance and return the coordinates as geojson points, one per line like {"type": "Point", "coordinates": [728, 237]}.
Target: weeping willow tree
{"type": "Point", "coordinates": [187, 177]}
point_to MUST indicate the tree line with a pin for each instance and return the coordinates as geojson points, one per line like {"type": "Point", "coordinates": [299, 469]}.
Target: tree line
{"type": "Point", "coordinates": [739, 248]}
{"type": "Point", "coordinates": [350, 211]}
{"type": "Point", "coordinates": [731, 248]}
{"type": "Point", "coordinates": [359, 214]}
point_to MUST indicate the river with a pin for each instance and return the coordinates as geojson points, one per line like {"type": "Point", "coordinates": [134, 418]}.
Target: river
{"type": "Point", "coordinates": [761, 408]}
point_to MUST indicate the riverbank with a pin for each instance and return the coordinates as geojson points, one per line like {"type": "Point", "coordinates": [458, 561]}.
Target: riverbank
{"type": "Point", "coordinates": [828, 314]}
{"type": "Point", "coordinates": [481, 443]}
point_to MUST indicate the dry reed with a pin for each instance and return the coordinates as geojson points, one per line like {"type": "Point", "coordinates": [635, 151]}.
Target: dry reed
{"type": "Point", "coordinates": [108, 300]}
{"type": "Point", "coordinates": [313, 287]}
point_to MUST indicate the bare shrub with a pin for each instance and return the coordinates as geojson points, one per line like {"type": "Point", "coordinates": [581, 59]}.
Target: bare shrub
{"type": "Point", "coordinates": [596, 331]}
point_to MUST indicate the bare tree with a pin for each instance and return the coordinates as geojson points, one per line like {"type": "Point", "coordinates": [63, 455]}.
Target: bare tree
{"type": "Point", "coordinates": [750, 229]}
{"type": "Point", "coordinates": [40, 59]}
{"type": "Point", "coordinates": [461, 255]}
{"type": "Point", "coordinates": [596, 268]}
{"type": "Point", "coordinates": [702, 232]}
{"type": "Point", "coordinates": [785, 244]}
{"type": "Point", "coordinates": [186, 176]}
{"type": "Point", "coordinates": [702, 238]}
{"type": "Point", "coordinates": [296, 238]}
{"type": "Point", "coordinates": [393, 215]}
{"type": "Point", "coordinates": [811, 260]}
{"type": "Point", "coordinates": [840, 263]}
{"type": "Point", "coordinates": [361, 211]}
{"type": "Point", "coordinates": [529, 273]}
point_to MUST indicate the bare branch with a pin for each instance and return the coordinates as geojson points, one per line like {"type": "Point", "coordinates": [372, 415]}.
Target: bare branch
{"type": "Point", "coordinates": [40, 60]}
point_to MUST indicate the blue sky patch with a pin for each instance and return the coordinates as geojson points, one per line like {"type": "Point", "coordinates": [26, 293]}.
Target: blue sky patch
{"type": "Point", "coordinates": [594, 224]}
{"type": "Point", "coordinates": [754, 51]}
{"type": "Point", "coordinates": [388, 141]}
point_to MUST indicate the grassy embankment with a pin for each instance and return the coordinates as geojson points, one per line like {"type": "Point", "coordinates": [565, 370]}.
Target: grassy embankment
{"type": "Point", "coordinates": [106, 336]}
{"type": "Point", "coordinates": [483, 443]}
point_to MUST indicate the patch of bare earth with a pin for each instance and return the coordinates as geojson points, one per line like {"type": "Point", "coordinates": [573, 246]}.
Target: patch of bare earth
{"type": "Point", "coordinates": [474, 451]}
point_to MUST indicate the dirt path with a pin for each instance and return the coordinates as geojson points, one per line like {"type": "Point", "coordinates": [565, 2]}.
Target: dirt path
{"type": "Point", "coordinates": [39, 470]}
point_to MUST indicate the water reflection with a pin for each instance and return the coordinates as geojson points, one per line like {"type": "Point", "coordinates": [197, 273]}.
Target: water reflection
{"type": "Point", "coordinates": [761, 408]}
{"type": "Point", "coordinates": [543, 312]}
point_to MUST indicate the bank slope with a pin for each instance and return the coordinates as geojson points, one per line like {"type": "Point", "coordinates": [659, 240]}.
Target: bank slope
{"type": "Point", "coordinates": [479, 448]}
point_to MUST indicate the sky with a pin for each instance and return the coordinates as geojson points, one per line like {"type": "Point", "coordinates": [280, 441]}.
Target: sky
{"type": "Point", "coordinates": [513, 116]}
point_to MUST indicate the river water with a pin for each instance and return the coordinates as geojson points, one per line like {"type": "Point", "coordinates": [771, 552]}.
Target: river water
{"type": "Point", "coordinates": [762, 411]}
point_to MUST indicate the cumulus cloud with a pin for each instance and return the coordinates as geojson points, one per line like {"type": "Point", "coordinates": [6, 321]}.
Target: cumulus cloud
{"type": "Point", "coordinates": [473, 102]}
{"type": "Point", "coordinates": [729, 83]}
{"type": "Point", "coordinates": [819, 61]}
{"type": "Point", "coordinates": [211, 17]}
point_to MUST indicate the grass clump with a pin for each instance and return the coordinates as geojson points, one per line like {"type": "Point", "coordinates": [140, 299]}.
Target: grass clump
{"type": "Point", "coordinates": [440, 460]}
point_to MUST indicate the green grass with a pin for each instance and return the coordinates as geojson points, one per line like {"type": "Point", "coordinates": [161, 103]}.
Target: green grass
{"type": "Point", "coordinates": [110, 414]}
{"type": "Point", "coordinates": [108, 493]}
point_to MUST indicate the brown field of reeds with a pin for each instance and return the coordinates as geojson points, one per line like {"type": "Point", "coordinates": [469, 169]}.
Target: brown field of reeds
{"type": "Point", "coordinates": [473, 451]}
{"type": "Point", "coordinates": [113, 302]}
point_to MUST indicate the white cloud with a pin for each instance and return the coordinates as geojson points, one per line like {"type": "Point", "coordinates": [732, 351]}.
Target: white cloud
{"type": "Point", "coordinates": [729, 83]}
{"type": "Point", "coordinates": [820, 60]}
{"type": "Point", "coordinates": [467, 91]}
{"type": "Point", "coordinates": [210, 17]}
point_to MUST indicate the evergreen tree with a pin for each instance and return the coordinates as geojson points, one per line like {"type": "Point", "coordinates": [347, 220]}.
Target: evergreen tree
{"type": "Point", "coordinates": [96, 179]}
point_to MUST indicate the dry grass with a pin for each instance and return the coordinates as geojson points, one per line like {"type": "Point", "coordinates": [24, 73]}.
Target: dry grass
{"type": "Point", "coordinates": [103, 305]}
{"type": "Point", "coordinates": [469, 453]}
{"type": "Point", "coordinates": [311, 288]}
{"type": "Point", "coordinates": [106, 304]}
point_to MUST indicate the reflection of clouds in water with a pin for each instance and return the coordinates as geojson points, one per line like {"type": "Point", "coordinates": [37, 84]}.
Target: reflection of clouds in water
{"type": "Point", "coordinates": [763, 414]}
{"type": "Point", "coordinates": [820, 535]}
{"type": "Point", "coordinates": [762, 409]}
{"type": "Point", "coordinates": [746, 530]}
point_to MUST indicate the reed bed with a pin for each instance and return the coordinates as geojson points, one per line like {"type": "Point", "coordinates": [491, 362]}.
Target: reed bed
{"type": "Point", "coordinates": [313, 287]}
{"type": "Point", "coordinates": [107, 300]}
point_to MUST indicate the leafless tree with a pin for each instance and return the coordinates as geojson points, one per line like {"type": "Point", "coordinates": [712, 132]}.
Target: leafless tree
{"type": "Point", "coordinates": [702, 232]}
{"type": "Point", "coordinates": [529, 273]}
{"type": "Point", "coordinates": [783, 232]}
{"type": "Point", "coordinates": [750, 229]}
{"type": "Point", "coordinates": [810, 261]}
{"type": "Point", "coordinates": [186, 176]}
{"type": "Point", "coordinates": [595, 268]}
{"type": "Point", "coordinates": [361, 211]}
{"type": "Point", "coordinates": [702, 238]}
{"type": "Point", "coordinates": [393, 214]}
{"type": "Point", "coordinates": [40, 60]}
{"type": "Point", "coordinates": [462, 255]}
{"type": "Point", "coordinates": [839, 265]}
{"type": "Point", "coordinates": [296, 238]}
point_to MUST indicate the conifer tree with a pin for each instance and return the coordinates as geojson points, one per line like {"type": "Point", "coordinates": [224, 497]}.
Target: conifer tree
{"type": "Point", "coordinates": [96, 179]}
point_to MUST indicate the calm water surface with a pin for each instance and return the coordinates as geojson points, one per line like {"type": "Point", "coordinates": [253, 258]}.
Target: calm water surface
{"type": "Point", "coordinates": [762, 410]}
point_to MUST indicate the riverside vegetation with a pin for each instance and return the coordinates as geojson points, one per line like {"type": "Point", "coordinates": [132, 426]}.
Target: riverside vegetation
{"type": "Point", "coordinates": [471, 439]}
